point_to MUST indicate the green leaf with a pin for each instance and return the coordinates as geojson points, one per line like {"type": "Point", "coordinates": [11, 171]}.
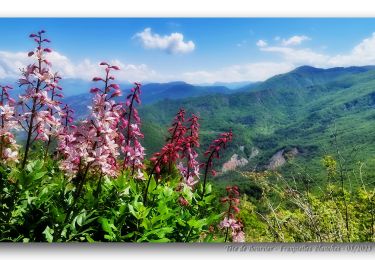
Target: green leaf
{"type": "Point", "coordinates": [197, 223]}
{"type": "Point", "coordinates": [209, 198]}
{"type": "Point", "coordinates": [131, 234]}
{"type": "Point", "coordinates": [105, 225]}
{"type": "Point", "coordinates": [160, 232]}
{"type": "Point", "coordinates": [152, 184]}
{"type": "Point", "coordinates": [80, 218]}
{"type": "Point", "coordinates": [208, 188]}
{"type": "Point", "coordinates": [188, 194]}
{"type": "Point", "coordinates": [48, 234]}
{"type": "Point", "coordinates": [132, 211]}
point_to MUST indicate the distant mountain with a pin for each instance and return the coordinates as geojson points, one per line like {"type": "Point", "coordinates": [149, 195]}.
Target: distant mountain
{"type": "Point", "coordinates": [300, 109]}
{"type": "Point", "coordinates": [248, 86]}
{"type": "Point", "coordinates": [73, 87]}
{"type": "Point", "coordinates": [177, 90]}
{"type": "Point", "coordinates": [308, 76]}
{"type": "Point", "coordinates": [230, 85]}
{"type": "Point", "coordinates": [151, 93]}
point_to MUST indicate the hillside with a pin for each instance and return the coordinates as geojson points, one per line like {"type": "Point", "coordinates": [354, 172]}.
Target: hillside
{"type": "Point", "coordinates": [298, 109]}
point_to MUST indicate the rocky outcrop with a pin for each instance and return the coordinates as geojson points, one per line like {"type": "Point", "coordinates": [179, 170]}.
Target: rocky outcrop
{"type": "Point", "coordinates": [276, 160]}
{"type": "Point", "coordinates": [234, 162]}
{"type": "Point", "coordinates": [281, 157]}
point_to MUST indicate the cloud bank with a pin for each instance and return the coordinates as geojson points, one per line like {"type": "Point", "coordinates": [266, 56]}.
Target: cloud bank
{"type": "Point", "coordinates": [285, 57]}
{"type": "Point", "coordinates": [360, 55]}
{"type": "Point", "coordinates": [11, 64]}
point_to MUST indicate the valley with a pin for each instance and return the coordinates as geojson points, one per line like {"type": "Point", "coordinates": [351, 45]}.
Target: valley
{"type": "Point", "coordinates": [298, 111]}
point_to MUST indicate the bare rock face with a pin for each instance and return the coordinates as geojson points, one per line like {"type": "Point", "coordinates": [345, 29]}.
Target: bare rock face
{"type": "Point", "coordinates": [276, 160]}
{"type": "Point", "coordinates": [280, 158]}
{"type": "Point", "coordinates": [234, 162]}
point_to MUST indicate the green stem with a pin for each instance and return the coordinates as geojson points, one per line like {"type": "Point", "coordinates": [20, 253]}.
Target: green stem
{"type": "Point", "coordinates": [205, 174]}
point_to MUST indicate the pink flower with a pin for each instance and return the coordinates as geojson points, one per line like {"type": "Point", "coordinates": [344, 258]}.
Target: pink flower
{"type": "Point", "coordinates": [129, 127]}
{"type": "Point", "coordinates": [10, 155]}
{"type": "Point", "coordinates": [39, 105]}
{"type": "Point", "coordinates": [93, 144]}
{"type": "Point", "coordinates": [238, 236]}
{"type": "Point", "coordinates": [8, 123]}
{"type": "Point", "coordinates": [229, 222]}
{"type": "Point", "coordinates": [183, 202]}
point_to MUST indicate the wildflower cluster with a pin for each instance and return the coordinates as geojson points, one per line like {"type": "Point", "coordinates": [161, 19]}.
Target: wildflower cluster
{"type": "Point", "coordinates": [190, 172]}
{"type": "Point", "coordinates": [170, 151]}
{"type": "Point", "coordinates": [180, 145]}
{"type": "Point", "coordinates": [8, 123]}
{"type": "Point", "coordinates": [230, 223]}
{"type": "Point", "coordinates": [92, 144]}
{"type": "Point", "coordinates": [130, 134]}
{"type": "Point", "coordinates": [39, 112]}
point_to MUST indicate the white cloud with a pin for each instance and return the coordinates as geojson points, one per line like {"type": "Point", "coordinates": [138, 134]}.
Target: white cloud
{"type": "Point", "coordinates": [298, 56]}
{"type": "Point", "coordinates": [172, 44]}
{"type": "Point", "coordinates": [294, 40]}
{"type": "Point", "coordinates": [360, 55]}
{"type": "Point", "coordinates": [261, 43]}
{"type": "Point", "coordinates": [257, 71]}
{"type": "Point", "coordinates": [12, 62]}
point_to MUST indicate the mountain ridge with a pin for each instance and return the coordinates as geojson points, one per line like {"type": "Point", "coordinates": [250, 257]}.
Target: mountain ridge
{"type": "Point", "coordinates": [298, 109]}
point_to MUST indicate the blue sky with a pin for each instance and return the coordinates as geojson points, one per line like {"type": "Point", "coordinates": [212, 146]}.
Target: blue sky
{"type": "Point", "coordinates": [194, 50]}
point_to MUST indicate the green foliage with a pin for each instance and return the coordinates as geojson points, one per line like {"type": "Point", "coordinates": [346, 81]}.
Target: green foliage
{"type": "Point", "coordinates": [286, 214]}
{"type": "Point", "coordinates": [38, 204]}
